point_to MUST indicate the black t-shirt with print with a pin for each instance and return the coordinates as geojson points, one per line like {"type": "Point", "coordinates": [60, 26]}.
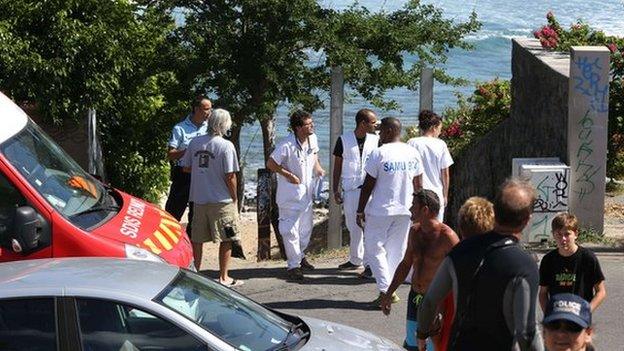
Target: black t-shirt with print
{"type": "Point", "coordinates": [576, 274]}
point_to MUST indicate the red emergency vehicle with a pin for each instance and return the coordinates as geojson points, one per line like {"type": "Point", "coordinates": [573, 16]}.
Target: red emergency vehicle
{"type": "Point", "coordinates": [50, 207]}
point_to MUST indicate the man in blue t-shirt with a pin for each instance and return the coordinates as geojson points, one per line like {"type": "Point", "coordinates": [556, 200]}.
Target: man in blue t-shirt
{"type": "Point", "coordinates": [192, 126]}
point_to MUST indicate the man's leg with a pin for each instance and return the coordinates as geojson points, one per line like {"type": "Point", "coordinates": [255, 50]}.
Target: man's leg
{"type": "Point", "coordinates": [289, 230]}
{"type": "Point", "coordinates": [411, 323]}
{"type": "Point", "coordinates": [225, 253]}
{"type": "Point", "coordinates": [177, 201]}
{"type": "Point", "coordinates": [375, 231]}
{"type": "Point", "coordinates": [356, 234]}
{"type": "Point", "coordinates": [201, 234]}
{"type": "Point", "coordinates": [198, 249]}
{"type": "Point", "coordinates": [396, 242]}
{"type": "Point", "coordinates": [306, 223]}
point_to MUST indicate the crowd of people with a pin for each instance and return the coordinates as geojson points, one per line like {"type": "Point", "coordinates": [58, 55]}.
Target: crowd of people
{"type": "Point", "coordinates": [477, 289]}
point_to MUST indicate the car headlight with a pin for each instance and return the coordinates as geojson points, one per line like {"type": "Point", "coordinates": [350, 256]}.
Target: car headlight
{"type": "Point", "coordinates": [137, 253]}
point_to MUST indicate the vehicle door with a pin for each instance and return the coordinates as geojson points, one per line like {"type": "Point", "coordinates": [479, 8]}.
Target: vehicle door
{"type": "Point", "coordinates": [28, 324]}
{"type": "Point", "coordinates": [25, 225]}
{"type": "Point", "coordinates": [110, 326]}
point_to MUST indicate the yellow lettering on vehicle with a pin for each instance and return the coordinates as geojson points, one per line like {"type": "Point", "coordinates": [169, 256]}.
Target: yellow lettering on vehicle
{"type": "Point", "coordinates": [150, 244]}
{"type": "Point", "coordinates": [170, 233]}
{"type": "Point", "coordinates": [166, 244]}
{"type": "Point", "coordinates": [166, 236]}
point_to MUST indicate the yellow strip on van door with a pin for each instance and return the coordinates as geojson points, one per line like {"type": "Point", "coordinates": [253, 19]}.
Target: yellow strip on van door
{"type": "Point", "coordinates": [169, 232]}
{"type": "Point", "coordinates": [165, 243]}
{"type": "Point", "coordinates": [149, 243]}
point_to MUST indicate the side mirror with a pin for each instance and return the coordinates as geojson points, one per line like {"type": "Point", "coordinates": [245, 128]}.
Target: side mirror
{"type": "Point", "coordinates": [27, 230]}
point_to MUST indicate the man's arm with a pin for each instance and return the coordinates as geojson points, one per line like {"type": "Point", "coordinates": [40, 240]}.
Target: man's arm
{"type": "Point", "coordinates": [543, 297]}
{"type": "Point", "coordinates": [519, 313]}
{"type": "Point", "coordinates": [400, 274]}
{"type": "Point", "coordinates": [174, 154]}
{"type": "Point", "coordinates": [367, 189]}
{"type": "Point", "coordinates": [230, 182]}
{"type": "Point", "coordinates": [445, 177]}
{"type": "Point", "coordinates": [274, 167]}
{"type": "Point", "coordinates": [336, 179]}
{"type": "Point", "coordinates": [318, 169]}
{"type": "Point", "coordinates": [600, 294]}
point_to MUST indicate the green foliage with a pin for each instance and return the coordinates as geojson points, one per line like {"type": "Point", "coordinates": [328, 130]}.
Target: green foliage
{"type": "Point", "coordinates": [68, 56]}
{"type": "Point", "coordinates": [581, 33]}
{"type": "Point", "coordinates": [254, 54]}
{"type": "Point", "coordinates": [476, 115]}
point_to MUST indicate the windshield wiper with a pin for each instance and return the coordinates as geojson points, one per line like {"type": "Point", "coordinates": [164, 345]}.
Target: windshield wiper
{"type": "Point", "coordinates": [293, 329]}
{"type": "Point", "coordinates": [98, 209]}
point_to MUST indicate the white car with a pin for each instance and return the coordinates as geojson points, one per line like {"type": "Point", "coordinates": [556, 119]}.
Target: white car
{"type": "Point", "coordinates": [97, 304]}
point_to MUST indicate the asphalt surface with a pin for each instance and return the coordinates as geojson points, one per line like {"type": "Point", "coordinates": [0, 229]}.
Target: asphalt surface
{"type": "Point", "coordinates": [342, 297]}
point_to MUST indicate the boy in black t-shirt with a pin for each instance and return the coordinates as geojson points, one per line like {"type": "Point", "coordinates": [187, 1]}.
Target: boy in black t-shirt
{"type": "Point", "coordinates": [570, 268]}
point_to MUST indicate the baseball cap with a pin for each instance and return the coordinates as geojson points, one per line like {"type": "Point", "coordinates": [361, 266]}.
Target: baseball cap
{"type": "Point", "coordinates": [568, 307]}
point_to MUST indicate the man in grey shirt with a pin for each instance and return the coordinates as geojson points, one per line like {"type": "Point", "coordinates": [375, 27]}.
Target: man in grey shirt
{"type": "Point", "coordinates": [494, 283]}
{"type": "Point", "coordinates": [213, 165]}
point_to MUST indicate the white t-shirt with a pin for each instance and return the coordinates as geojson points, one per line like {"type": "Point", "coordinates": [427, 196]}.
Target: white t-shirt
{"type": "Point", "coordinates": [299, 160]}
{"type": "Point", "coordinates": [394, 166]}
{"type": "Point", "coordinates": [435, 157]}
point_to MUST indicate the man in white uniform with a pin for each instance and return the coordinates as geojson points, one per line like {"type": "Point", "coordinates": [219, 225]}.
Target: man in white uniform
{"type": "Point", "coordinates": [435, 156]}
{"type": "Point", "coordinates": [393, 172]}
{"type": "Point", "coordinates": [295, 160]}
{"type": "Point", "coordinates": [350, 154]}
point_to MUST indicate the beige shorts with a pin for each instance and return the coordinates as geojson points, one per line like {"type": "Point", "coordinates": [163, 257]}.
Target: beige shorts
{"type": "Point", "coordinates": [215, 222]}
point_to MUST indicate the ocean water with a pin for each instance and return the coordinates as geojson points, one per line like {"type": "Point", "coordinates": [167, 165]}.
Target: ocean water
{"type": "Point", "coordinates": [501, 21]}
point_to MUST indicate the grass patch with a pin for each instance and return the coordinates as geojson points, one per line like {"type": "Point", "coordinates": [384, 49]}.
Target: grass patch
{"type": "Point", "coordinates": [591, 236]}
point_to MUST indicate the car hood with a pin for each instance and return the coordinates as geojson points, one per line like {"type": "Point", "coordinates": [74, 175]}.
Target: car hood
{"type": "Point", "coordinates": [144, 225]}
{"type": "Point", "coordinates": [329, 336]}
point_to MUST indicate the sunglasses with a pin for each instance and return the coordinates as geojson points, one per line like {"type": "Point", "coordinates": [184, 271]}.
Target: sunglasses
{"type": "Point", "coordinates": [566, 326]}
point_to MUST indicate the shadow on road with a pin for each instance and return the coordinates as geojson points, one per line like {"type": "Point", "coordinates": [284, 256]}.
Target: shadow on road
{"type": "Point", "coordinates": [322, 304]}
{"type": "Point", "coordinates": [323, 276]}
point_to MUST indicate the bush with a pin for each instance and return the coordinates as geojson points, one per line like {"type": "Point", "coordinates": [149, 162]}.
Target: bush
{"type": "Point", "coordinates": [476, 115]}
{"type": "Point", "coordinates": [553, 36]}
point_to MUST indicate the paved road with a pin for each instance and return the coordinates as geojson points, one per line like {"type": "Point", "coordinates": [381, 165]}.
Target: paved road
{"type": "Point", "coordinates": [342, 297]}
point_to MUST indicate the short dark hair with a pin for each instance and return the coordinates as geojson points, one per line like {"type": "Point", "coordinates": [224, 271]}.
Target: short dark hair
{"type": "Point", "coordinates": [429, 198]}
{"type": "Point", "coordinates": [391, 123]}
{"type": "Point", "coordinates": [513, 203]}
{"type": "Point", "coordinates": [428, 119]}
{"type": "Point", "coordinates": [197, 101]}
{"type": "Point", "coordinates": [361, 115]}
{"type": "Point", "coordinates": [565, 221]}
{"type": "Point", "coordinates": [297, 118]}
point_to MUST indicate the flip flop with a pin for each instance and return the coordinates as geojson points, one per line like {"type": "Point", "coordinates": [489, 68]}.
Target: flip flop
{"type": "Point", "coordinates": [233, 283]}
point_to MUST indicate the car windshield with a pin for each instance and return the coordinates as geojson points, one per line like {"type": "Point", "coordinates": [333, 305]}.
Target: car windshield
{"type": "Point", "coordinates": [57, 177]}
{"type": "Point", "coordinates": [232, 317]}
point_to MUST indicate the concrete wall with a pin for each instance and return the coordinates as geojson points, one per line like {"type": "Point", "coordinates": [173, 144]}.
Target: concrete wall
{"type": "Point", "coordinates": [537, 126]}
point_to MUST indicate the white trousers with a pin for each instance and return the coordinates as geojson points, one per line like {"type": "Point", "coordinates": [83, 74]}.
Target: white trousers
{"type": "Point", "coordinates": [295, 227]}
{"type": "Point", "coordinates": [356, 234]}
{"type": "Point", "coordinates": [386, 242]}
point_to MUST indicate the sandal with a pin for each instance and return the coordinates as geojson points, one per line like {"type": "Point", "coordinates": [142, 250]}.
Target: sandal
{"type": "Point", "coordinates": [233, 283]}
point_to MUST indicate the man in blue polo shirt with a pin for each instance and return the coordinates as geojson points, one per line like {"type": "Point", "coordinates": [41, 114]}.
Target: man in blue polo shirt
{"type": "Point", "coordinates": [193, 125]}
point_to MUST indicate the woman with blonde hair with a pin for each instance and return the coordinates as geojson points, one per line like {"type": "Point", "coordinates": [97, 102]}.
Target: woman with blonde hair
{"type": "Point", "coordinates": [476, 216]}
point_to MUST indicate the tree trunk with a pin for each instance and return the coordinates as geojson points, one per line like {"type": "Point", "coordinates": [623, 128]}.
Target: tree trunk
{"type": "Point", "coordinates": [267, 125]}
{"type": "Point", "coordinates": [240, 179]}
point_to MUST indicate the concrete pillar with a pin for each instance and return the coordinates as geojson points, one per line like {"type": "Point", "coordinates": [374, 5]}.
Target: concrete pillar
{"type": "Point", "coordinates": [426, 89]}
{"type": "Point", "coordinates": [334, 232]}
{"type": "Point", "coordinates": [588, 112]}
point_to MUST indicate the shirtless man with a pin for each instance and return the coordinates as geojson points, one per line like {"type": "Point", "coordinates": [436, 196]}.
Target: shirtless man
{"type": "Point", "coordinates": [429, 242]}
